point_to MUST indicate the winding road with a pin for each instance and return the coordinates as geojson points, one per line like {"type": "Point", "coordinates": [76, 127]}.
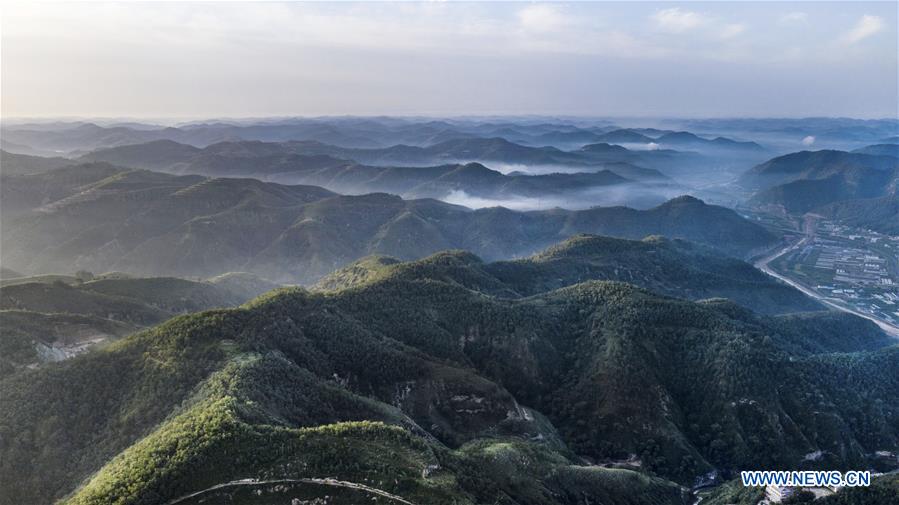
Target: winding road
{"type": "Point", "coordinates": [321, 482]}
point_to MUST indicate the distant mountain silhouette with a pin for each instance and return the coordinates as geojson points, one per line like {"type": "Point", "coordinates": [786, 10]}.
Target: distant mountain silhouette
{"type": "Point", "coordinates": [280, 162]}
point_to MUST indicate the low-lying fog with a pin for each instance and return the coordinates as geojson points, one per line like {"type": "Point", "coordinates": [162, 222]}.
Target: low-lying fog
{"type": "Point", "coordinates": [630, 195]}
{"type": "Point", "coordinates": [518, 168]}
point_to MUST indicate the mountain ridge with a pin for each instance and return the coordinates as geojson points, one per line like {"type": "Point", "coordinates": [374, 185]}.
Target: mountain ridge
{"type": "Point", "coordinates": [434, 359]}
{"type": "Point", "coordinates": [670, 267]}
{"type": "Point", "coordinates": [290, 233]}
{"type": "Point", "coordinates": [807, 180]}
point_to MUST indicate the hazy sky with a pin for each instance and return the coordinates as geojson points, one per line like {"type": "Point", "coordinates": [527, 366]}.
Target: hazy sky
{"type": "Point", "coordinates": [611, 59]}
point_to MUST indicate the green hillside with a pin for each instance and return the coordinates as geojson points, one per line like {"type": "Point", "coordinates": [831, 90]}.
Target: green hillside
{"type": "Point", "coordinates": [671, 267]}
{"type": "Point", "coordinates": [883, 491]}
{"type": "Point", "coordinates": [29, 338]}
{"type": "Point", "coordinates": [98, 217]}
{"type": "Point", "coordinates": [462, 397]}
{"type": "Point", "coordinates": [51, 318]}
{"type": "Point", "coordinates": [879, 214]}
{"type": "Point", "coordinates": [813, 165]}
{"type": "Point", "coordinates": [806, 181]}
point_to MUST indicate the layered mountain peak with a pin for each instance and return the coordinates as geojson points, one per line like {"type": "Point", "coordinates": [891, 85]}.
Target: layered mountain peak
{"type": "Point", "coordinates": [584, 245]}
{"type": "Point", "coordinates": [603, 147]}
{"type": "Point", "coordinates": [683, 200]}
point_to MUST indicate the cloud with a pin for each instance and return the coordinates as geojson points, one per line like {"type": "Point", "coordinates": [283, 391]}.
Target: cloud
{"type": "Point", "coordinates": [541, 18]}
{"type": "Point", "coordinates": [868, 25]}
{"type": "Point", "coordinates": [792, 18]}
{"type": "Point", "coordinates": [731, 30]}
{"type": "Point", "coordinates": [677, 20]}
{"type": "Point", "coordinates": [807, 141]}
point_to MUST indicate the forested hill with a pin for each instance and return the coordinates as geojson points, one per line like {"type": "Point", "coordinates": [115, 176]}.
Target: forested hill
{"type": "Point", "coordinates": [439, 394]}
{"type": "Point", "coordinates": [672, 267]}
{"type": "Point", "coordinates": [813, 180]}
{"type": "Point", "coordinates": [51, 317]}
{"type": "Point", "coordinates": [100, 217]}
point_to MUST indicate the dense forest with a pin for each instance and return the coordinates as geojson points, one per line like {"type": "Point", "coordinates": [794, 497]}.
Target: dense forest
{"type": "Point", "coordinates": [462, 396]}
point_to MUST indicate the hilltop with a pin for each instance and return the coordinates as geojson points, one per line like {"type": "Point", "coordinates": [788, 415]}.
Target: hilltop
{"type": "Point", "coordinates": [691, 141]}
{"type": "Point", "coordinates": [812, 165]}
{"type": "Point", "coordinates": [804, 181]}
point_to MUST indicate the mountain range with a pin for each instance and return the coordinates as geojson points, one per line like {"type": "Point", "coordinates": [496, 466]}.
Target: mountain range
{"type": "Point", "coordinates": [671, 267]}
{"type": "Point", "coordinates": [40, 138]}
{"type": "Point", "coordinates": [100, 217]}
{"type": "Point", "coordinates": [170, 155]}
{"type": "Point", "coordinates": [410, 142]}
{"type": "Point", "coordinates": [280, 163]}
{"type": "Point", "coordinates": [413, 382]}
{"type": "Point", "coordinates": [461, 311]}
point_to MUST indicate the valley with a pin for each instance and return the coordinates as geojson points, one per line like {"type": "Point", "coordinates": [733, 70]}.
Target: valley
{"type": "Point", "coordinates": [850, 269]}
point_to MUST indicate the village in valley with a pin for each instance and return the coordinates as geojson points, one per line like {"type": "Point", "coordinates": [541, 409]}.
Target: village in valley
{"type": "Point", "coordinates": [847, 266]}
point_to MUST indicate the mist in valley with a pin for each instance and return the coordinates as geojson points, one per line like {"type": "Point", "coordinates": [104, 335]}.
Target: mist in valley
{"type": "Point", "coordinates": [632, 195]}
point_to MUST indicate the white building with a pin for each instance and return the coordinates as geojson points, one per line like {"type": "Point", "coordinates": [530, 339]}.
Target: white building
{"type": "Point", "coordinates": [777, 494]}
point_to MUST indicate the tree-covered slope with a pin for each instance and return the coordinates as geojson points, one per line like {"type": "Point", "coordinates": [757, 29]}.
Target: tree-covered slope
{"type": "Point", "coordinates": [810, 194]}
{"type": "Point", "coordinates": [482, 399]}
{"type": "Point", "coordinates": [671, 267]}
{"type": "Point", "coordinates": [54, 320]}
{"type": "Point", "coordinates": [810, 165]}
{"type": "Point", "coordinates": [99, 217]}
{"type": "Point", "coordinates": [879, 214]}
{"type": "Point", "coordinates": [30, 338]}
{"type": "Point", "coordinates": [805, 181]}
